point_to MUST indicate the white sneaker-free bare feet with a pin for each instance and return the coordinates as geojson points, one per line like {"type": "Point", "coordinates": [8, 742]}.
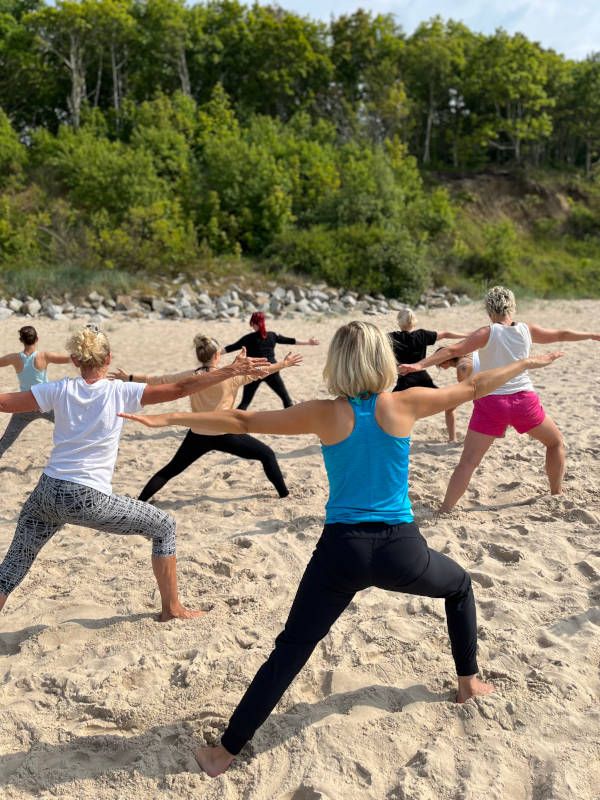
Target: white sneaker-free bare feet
{"type": "Point", "coordinates": [213, 760]}
{"type": "Point", "coordinates": [179, 612]}
{"type": "Point", "coordinates": [471, 686]}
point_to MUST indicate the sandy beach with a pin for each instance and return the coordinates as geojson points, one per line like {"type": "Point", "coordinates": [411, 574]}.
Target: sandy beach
{"type": "Point", "coordinates": [100, 702]}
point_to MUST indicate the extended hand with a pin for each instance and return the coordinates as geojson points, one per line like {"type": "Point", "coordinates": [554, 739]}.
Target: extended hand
{"type": "Point", "coordinates": [248, 366]}
{"type": "Point", "coordinates": [118, 375]}
{"type": "Point", "coordinates": [292, 360]}
{"type": "Point", "coordinates": [404, 369]}
{"type": "Point", "coordinates": [149, 420]}
{"type": "Point", "coordinates": [535, 362]}
{"type": "Point", "coordinates": [312, 340]}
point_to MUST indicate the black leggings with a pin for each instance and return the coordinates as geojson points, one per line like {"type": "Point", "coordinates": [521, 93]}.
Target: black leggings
{"type": "Point", "coordinates": [274, 382]}
{"type": "Point", "coordinates": [347, 559]}
{"type": "Point", "coordinates": [195, 445]}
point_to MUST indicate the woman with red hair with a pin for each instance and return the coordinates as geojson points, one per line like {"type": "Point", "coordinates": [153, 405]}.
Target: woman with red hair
{"type": "Point", "coordinates": [262, 343]}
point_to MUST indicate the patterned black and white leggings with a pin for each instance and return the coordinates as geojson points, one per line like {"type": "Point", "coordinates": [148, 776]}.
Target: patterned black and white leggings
{"type": "Point", "coordinates": [54, 503]}
{"type": "Point", "coordinates": [17, 424]}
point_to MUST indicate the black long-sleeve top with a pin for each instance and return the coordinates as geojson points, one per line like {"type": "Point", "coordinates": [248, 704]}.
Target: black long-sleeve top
{"type": "Point", "coordinates": [257, 347]}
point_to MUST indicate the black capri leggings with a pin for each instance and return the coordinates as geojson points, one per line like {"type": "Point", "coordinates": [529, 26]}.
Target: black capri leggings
{"type": "Point", "coordinates": [347, 559]}
{"type": "Point", "coordinates": [196, 445]}
{"type": "Point", "coordinates": [274, 382]}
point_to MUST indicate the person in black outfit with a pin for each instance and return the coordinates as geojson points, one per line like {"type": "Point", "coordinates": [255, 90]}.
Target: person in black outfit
{"type": "Point", "coordinates": [263, 341]}
{"type": "Point", "coordinates": [411, 345]}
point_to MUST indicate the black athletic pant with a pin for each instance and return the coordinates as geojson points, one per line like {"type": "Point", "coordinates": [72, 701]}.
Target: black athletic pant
{"type": "Point", "coordinates": [195, 445]}
{"type": "Point", "coordinates": [347, 559]}
{"type": "Point", "coordinates": [274, 382]}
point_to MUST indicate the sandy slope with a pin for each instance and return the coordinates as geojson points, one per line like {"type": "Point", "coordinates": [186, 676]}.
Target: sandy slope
{"type": "Point", "coordinates": [99, 701]}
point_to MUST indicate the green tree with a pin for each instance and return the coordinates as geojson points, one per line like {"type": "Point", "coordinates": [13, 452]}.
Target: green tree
{"type": "Point", "coordinates": [508, 75]}
{"type": "Point", "coordinates": [434, 63]}
{"type": "Point", "coordinates": [65, 32]}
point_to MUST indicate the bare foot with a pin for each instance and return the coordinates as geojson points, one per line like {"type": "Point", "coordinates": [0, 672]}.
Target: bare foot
{"type": "Point", "coordinates": [213, 760]}
{"type": "Point", "coordinates": [471, 686]}
{"type": "Point", "coordinates": [179, 612]}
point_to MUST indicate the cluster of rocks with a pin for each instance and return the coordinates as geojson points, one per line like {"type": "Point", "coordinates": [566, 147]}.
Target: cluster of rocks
{"type": "Point", "coordinates": [182, 300]}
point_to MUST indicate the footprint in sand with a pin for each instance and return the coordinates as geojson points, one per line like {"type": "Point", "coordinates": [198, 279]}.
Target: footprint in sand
{"type": "Point", "coordinates": [486, 581]}
{"type": "Point", "coordinates": [504, 554]}
{"type": "Point", "coordinates": [588, 570]}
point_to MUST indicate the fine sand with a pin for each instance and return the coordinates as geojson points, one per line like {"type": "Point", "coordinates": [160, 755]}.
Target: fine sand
{"type": "Point", "coordinates": [99, 701]}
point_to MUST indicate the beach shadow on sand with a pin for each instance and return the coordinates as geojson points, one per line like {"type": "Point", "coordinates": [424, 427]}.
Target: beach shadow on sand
{"type": "Point", "coordinates": [12, 641]}
{"type": "Point", "coordinates": [167, 749]}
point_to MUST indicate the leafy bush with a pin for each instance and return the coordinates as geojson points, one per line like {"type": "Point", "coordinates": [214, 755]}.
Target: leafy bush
{"type": "Point", "coordinates": [583, 222]}
{"type": "Point", "coordinates": [499, 256]}
{"type": "Point", "coordinates": [368, 259]}
{"type": "Point", "coordinates": [12, 152]}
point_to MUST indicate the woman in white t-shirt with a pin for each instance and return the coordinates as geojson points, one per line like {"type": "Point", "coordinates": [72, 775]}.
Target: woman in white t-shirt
{"type": "Point", "coordinates": [516, 403]}
{"type": "Point", "coordinates": [75, 486]}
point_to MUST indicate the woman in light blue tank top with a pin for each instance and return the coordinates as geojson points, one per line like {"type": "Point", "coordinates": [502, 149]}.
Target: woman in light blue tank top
{"type": "Point", "coordinates": [31, 368]}
{"type": "Point", "coordinates": [369, 538]}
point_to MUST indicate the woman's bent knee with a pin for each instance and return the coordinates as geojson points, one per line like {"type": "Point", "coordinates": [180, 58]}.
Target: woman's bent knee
{"type": "Point", "coordinates": [163, 539]}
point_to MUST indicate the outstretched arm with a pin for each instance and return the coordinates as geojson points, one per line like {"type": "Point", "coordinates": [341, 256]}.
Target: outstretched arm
{"type": "Point", "coordinates": [309, 417]}
{"type": "Point", "coordinates": [10, 360]}
{"type": "Point", "coordinates": [426, 402]}
{"type": "Point", "coordinates": [311, 341]}
{"type": "Point", "coordinates": [198, 382]}
{"type": "Point", "coordinates": [18, 402]}
{"type": "Point", "coordinates": [451, 335]}
{"type": "Point", "coordinates": [548, 335]}
{"type": "Point", "coordinates": [290, 360]}
{"type": "Point", "coordinates": [55, 358]}
{"type": "Point", "coordinates": [474, 341]}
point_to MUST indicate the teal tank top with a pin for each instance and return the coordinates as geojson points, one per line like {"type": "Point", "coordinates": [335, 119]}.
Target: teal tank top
{"type": "Point", "coordinates": [29, 375]}
{"type": "Point", "coordinates": [368, 471]}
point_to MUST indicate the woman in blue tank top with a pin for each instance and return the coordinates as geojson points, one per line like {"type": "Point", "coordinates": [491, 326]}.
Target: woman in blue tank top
{"type": "Point", "coordinates": [369, 538]}
{"type": "Point", "coordinates": [31, 366]}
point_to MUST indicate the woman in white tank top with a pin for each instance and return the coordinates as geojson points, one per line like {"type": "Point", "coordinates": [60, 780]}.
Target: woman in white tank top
{"type": "Point", "coordinates": [515, 403]}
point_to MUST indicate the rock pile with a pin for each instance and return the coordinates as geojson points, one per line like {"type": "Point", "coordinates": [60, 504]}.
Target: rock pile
{"type": "Point", "coordinates": [182, 300]}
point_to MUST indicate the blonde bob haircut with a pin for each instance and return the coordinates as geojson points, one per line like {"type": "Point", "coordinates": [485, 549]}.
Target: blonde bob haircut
{"type": "Point", "coordinates": [360, 360]}
{"type": "Point", "coordinates": [89, 347]}
{"type": "Point", "coordinates": [407, 319]}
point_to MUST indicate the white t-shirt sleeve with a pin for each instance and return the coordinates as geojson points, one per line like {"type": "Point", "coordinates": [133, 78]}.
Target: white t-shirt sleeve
{"type": "Point", "coordinates": [46, 394]}
{"type": "Point", "coordinates": [131, 396]}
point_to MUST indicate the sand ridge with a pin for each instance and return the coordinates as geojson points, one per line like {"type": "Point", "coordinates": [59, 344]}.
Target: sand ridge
{"type": "Point", "coordinates": [101, 702]}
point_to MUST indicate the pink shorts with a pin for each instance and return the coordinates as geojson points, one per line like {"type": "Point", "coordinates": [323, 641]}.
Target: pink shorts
{"type": "Point", "coordinates": [493, 414]}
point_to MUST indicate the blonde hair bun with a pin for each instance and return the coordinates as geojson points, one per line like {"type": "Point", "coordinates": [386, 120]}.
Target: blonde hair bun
{"type": "Point", "coordinates": [89, 347]}
{"type": "Point", "coordinates": [206, 347]}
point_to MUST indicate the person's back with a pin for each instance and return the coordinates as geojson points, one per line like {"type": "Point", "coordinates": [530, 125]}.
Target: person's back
{"type": "Point", "coordinates": [411, 346]}
{"type": "Point", "coordinates": [87, 428]}
{"type": "Point", "coordinates": [506, 344]}
{"type": "Point", "coordinates": [368, 471]}
{"type": "Point", "coordinates": [30, 375]}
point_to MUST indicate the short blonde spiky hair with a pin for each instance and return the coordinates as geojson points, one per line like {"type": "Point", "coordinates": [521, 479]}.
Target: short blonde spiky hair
{"type": "Point", "coordinates": [407, 318]}
{"type": "Point", "coordinates": [89, 347]}
{"type": "Point", "coordinates": [500, 301]}
{"type": "Point", "coordinates": [360, 360]}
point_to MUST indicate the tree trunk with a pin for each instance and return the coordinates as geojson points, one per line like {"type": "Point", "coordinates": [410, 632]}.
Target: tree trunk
{"type": "Point", "coordinates": [115, 78]}
{"type": "Point", "coordinates": [182, 68]}
{"type": "Point", "coordinates": [77, 95]}
{"type": "Point", "coordinates": [428, 128]}
{"type": "Point", "coordinates": [98, 81]}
